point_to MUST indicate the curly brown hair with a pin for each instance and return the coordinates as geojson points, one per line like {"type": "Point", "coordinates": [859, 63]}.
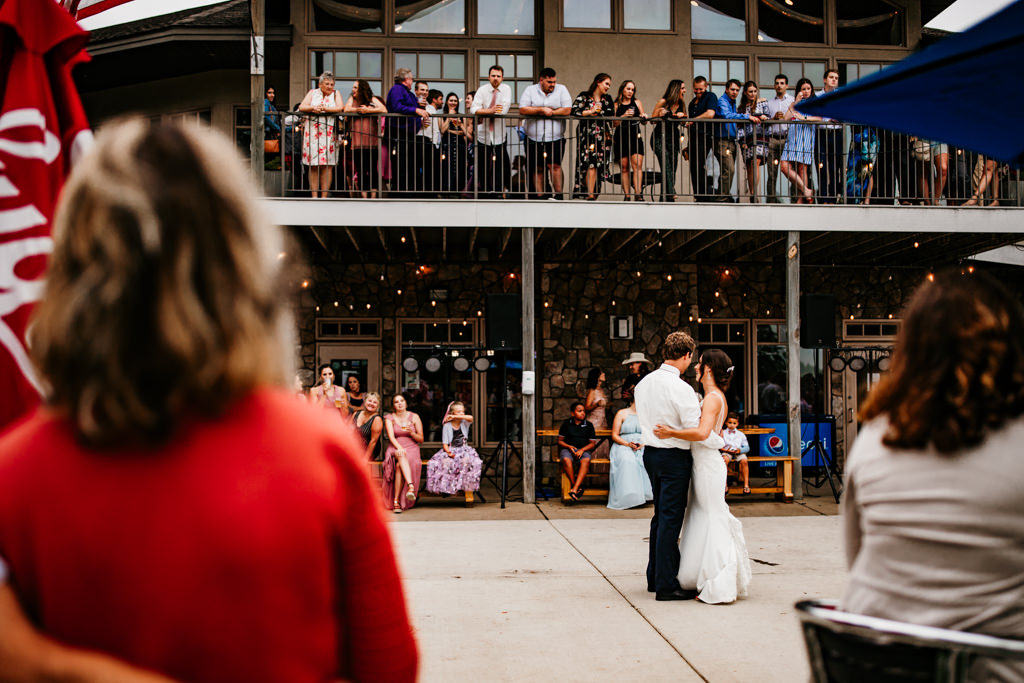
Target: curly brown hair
{"type": "Point", "coordinates": [958, 366]}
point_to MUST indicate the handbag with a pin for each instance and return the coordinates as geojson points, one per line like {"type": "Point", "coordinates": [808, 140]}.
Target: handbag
{"type": "Point", "coordinates": [922, 150]}
{"type": "Point", "coordinates": [272, 146]}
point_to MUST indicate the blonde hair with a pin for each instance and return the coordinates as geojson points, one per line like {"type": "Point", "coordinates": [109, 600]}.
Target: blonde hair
{"type": "Point", "coordinates": [162, 297]}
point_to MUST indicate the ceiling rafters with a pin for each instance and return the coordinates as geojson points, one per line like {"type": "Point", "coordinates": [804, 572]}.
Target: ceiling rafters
{"type": "Point", "coordinates": [771, 242]}
{"type": "Point", "coordinates": [444, 240]}
{"type": "Point", "coordinates": [472, 241]}
{"type": "Point", "coordinates": [506, 235]}
{"type": "Point", "coordinates": [352, 237]}
{"type": "Point", "coordinates": [699, 242]}
{"type": "Point", "coordinates": [594, 242]}
{"type": "Point", "coordinates": [561, 247]}
{"type": "Point", "coordinates": [415, 244]}
{"type": "Point", "coordinates": [325, 240]}
{"type": "Point", "coordinates": [383, 242]}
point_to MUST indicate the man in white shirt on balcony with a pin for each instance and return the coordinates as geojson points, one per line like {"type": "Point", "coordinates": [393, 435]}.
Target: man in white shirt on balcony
{"type": "Point", "coordinates": [777, 133]}
{"type": "Point", "coordinates": [493, 168]}
{"type": "Point", "coordinates": [545, 141]}
{"type": "Point", "coordinates": [831, 166]}
{"type": "Point", "coordinates": [428, 139]}
{"type": "Point", "coordinates": [663, 397]}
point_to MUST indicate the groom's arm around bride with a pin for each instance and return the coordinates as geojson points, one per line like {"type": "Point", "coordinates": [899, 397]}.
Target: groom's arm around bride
{"type": "Point", "coordinates": [663, 397]}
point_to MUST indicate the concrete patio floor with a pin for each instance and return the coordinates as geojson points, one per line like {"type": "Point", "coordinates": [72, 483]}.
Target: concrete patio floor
{"type": "Point", "coordinates": [554, 592]}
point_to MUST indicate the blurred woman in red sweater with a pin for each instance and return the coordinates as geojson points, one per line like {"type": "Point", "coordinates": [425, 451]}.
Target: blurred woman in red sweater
{"type": "Point", "coordinates": [173, 505]}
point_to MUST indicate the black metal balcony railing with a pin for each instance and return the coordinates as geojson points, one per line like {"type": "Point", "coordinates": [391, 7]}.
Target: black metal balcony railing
{"type": "Point", "coordinates": [616, 159]}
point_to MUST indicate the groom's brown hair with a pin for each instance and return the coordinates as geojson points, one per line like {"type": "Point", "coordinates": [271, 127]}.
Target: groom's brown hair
{"type": "Point", "coordinates": [677, 345]}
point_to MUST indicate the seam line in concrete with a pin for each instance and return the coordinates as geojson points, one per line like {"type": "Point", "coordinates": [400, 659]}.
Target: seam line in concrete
{"type": "Point", "coordinates": [623, 595]}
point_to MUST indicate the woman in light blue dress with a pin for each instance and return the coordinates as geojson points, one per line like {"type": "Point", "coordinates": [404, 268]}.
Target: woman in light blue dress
{"type": "Point", "coordinates": [628, 483]}
{"type": "Point", "coordinates": [798, 154]}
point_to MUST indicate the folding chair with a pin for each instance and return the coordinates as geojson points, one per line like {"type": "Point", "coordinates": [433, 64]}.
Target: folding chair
{"type": "Point", "coordinates": [844, 647]}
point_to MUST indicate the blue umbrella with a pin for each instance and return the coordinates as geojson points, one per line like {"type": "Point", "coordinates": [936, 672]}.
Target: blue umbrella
{"type": "Point", "coordinates": [963, 91]}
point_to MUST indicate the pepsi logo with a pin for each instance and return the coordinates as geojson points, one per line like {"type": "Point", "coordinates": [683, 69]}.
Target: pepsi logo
{"type": "Point", "coordinates": [776, 446]}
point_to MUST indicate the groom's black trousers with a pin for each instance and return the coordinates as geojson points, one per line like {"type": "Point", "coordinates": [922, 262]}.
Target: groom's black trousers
{"type": "Point", "coordinates": [669, 470]}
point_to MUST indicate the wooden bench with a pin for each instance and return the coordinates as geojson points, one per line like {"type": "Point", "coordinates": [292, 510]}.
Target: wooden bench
{"type": "Point", "coordinates": [377, 472]}
{"type": "Point", "coordinates": [784, 472]}
{"type": "Point", "coordinates": [783, 477]}
{"type": "Point", "coordinates": [589, 492]}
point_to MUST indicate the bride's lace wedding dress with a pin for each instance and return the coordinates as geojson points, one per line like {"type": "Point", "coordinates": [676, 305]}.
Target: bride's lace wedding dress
{"type": "Point", "coordinates": [714, 553]}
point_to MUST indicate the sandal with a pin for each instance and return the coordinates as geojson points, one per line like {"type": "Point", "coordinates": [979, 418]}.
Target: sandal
{"type": "Point", "coordinates": [397, 509]}
{"type": "Point", "coordinates": [746, 490]}
{"type": "Point", "coordinates": [411, 493]}
{"type": "Point", "coordinates": [573, 495]}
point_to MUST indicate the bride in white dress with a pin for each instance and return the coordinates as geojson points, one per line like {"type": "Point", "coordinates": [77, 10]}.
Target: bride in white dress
{"type": "Point", "coordinates": [714, 554]}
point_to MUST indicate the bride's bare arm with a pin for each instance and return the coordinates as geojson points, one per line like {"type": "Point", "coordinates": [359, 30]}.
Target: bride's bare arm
{"type": "Point", "coordinates": [708, 416]}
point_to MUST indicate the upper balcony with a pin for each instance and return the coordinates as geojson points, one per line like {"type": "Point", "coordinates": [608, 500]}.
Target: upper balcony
{"type": "Point", "coordinates": [635, 173]}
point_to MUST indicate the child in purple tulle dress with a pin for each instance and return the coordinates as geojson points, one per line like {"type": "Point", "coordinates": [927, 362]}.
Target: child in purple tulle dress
{"type": "Point", "coordinates": [456, 467]}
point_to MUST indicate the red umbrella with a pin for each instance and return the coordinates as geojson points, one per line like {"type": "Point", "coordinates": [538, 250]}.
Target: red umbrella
{"type": "Point", "coordinates": [42, 129]}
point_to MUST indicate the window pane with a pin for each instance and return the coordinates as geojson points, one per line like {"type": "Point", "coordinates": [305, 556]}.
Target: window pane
{"type": "Point", "coordinates": [777, 22]}
{"type": "Point", "coordinates": [406, 60]}
{"type": "Point", "coordinates": [428, 393]}
{"type": "Point", "coordinates": [412, 332]}
{"type": "Point", "coordinates": [816, 72]}
{"type": "Point", "coordinates": [524, 67]}
{"type": "Point", "coordinates": [766, 72]}
{"type": "Point", "coordinates": [738, 69]}
{"type": "Point", "coordinates": [439, 16]}
{"type": "Point", "coordinates": [719, 71]}
{"type": "Point", "coordinates": [437, 332]}
{"type": "Point", "coordinates": [795, 71]}
{"type": "Point", "coordinates": [512, 417]}
{"type": "Point", "coordinates": [868, 22]}
{"type": "Point", "coordinates": [485, 65]}
{"type": "Point", "coordinates": [455, 66]}
{"type": "Point", "coordinates": [358, 15]}
{"type": "Point", "coordinates": [346, 64]}
{"type": "Point", "coordinates": [718, 20]}
{"type": "Point", "coordinates": [430, 66]}
{"type": "Point", "coordinates": [771, 380]}
{"type": "Point", "coordinates": [505, 17]}
{"type": "Point", "coordinates": [508, 63]}
{"type": "Point", "coordinates": [369, 64]}
{"type": "Point", "coordinates": [655, 15]}
{"type": "Point", "coordinates": [586, 14]}
{"type": "Point", "coordinates": [701, 67]}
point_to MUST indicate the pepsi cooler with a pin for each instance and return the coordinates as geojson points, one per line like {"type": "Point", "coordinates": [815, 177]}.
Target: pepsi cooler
{"type": "Point", "coordinates": [777, 445]}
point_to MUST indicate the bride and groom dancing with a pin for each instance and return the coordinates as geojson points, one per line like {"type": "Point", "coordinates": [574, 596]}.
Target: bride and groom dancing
{"type": "Point", "coordinates": [681, 440]}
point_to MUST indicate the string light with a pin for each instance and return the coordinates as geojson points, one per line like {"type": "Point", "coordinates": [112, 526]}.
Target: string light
{"type": "Point", "coordinates": [931, 277]}
{"type": "Point", "coordinates": [305, 284]}
{"type": "Point", "coordinates": [335, 304]}
{"type": "Point", "coordinates": [399, 292]}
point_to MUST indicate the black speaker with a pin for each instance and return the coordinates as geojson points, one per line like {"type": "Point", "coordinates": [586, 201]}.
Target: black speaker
{"type": "Point", "coordinates": [817, 321]}
{"type": "Point", "coordinates": [504, 321]}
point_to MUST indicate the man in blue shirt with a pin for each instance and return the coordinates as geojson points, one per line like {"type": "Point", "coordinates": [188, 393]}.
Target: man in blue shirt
{"type": "Point", "coordinates": [703, 106]}
{"type": "Point", "coordinates": [725, 143]}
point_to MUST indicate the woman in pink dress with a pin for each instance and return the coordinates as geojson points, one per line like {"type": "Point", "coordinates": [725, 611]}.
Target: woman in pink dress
{"type": "Point", "coordinates": [319, 138]}
{"type": "Point", "coordinates": [327, 394]}
{"type": "Point", "coordinates": [402, 457]}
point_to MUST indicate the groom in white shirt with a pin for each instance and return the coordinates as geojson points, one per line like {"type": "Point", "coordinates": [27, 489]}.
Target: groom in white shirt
{"type": "Point", "coordinates": [663, 397]}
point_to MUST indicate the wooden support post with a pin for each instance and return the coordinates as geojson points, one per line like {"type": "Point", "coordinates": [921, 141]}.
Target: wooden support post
{"type": "Point", "coordinates": [529, 280]}
{"type": "Point", "coordinates": [793, 357]}
{"type": "Point", "coordinates": [256, 89]}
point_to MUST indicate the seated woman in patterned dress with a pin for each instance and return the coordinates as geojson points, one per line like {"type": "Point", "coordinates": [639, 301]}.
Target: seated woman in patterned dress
{"type": "Point", "coordinates": [456, 467]}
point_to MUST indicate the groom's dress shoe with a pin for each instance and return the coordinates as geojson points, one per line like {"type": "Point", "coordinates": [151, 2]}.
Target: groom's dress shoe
{"type": "Point", "coordinates": [681, 594]}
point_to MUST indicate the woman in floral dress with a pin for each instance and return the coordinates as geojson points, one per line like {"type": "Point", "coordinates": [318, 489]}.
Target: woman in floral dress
{"type": "Point", "coordinates": [593, 138]}
{"type": "Point", "coordinates": [319, 138]}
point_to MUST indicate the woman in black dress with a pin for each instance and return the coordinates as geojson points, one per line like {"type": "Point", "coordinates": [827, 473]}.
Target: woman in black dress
{"type": "Point", "coordinates": [666, 138]}
{"type": "Point", "coordinates": [370, 424]}
{"type": "Point", "coordinates": [592, 148]}
{"type": "Point", "coordinates": [455, 133]}
{"type": "Point", "coordinates": [628, 142]}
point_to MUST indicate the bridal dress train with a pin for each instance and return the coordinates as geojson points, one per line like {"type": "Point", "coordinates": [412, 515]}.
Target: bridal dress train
{"type": "Point", "coordinates": [714, 554]}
